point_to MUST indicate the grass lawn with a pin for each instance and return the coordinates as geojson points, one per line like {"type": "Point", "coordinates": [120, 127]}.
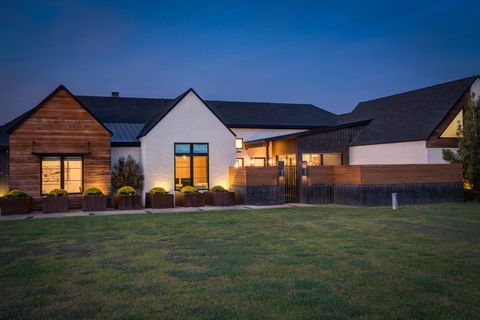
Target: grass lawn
{"type": "Point", "coordinates": [313, 263]}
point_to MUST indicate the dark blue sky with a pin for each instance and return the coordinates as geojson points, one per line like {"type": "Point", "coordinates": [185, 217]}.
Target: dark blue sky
{"type": "Point", "coordinates": [329, 53]}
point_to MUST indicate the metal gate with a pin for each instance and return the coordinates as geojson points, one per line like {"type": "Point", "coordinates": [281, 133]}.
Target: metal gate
{"type": "Point", "coordinates": [292, 190]}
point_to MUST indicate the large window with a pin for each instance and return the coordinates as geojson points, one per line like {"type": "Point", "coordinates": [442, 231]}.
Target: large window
{"type": "Point", "coordinates": [453, 129]}
{"type": "Point", "coordinates": [322, 159]}
{"type": "Point", "coordinates": [62, 172]}
{"type": "Point", "coordinates": [191, 165]}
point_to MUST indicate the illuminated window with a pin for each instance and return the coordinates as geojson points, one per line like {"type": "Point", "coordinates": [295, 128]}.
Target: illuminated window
{"type": "Point", "coordinates": [257, 162]}
{"type": "Point", "coordinates": [452, 130]}
{"type": "Point", "coordinates": [239, 162]}
{"type": "Point", "coordinates": [191, 165]}
{"type": "Point", "coordinates": [322, 159]}
{"type": "Point", "coordinates": [239, 143]}
{"type": "Point", "coordinates": [62, 172]}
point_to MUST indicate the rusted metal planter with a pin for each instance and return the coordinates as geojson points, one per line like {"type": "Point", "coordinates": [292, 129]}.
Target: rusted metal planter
{"type": "Point", "coordinates": [222, 199]}
{"type": "Point", "coordinates": [158, 201]}
{"type": "Point", "coordinates": [128, 202]}
{"type": "Point", "coordinates": [16, 206]}
{"type": "Point", "coordinates": [190, 199]}
{"type": "Point", "coordinates": [94, 203]}
{"type": "Point", "coordinates": [54, 204]}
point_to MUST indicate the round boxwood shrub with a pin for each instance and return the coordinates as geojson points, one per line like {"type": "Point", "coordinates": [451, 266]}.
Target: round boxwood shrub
{"type": "Point", "coordinates": [16, 194]}
{"type": "Point", "coordinates": [188, 189]}
{"type": "Point", "coordinates": [93, 192]}
{"type": "Point", "coordinates": [158, 190]}
{"type": "Point", "coordinates": [126, 191]}
{"type": "Point", "coordinates": [218, 189]}
{"type": "Point", "coordinates": [58, 193]}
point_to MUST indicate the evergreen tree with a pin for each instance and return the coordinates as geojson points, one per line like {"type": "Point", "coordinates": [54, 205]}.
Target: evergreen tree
{"type": "Point", "coordinates": [127, 172]}
{"type": "Point", "coordinates": [469, 147]}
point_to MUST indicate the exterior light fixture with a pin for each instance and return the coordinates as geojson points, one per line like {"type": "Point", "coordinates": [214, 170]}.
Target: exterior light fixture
{"type": "Point", "coordinates": [281, 168]}
{"type": "Point", "coordinates": [304, 168]}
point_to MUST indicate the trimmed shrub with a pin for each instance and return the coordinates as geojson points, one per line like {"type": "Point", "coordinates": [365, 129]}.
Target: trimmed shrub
{"type": "Point", "coordinates": [58, 193]}
{"type": "Point", "coordinates": [218, 189]}
{"type": "Point", "coordinates": [188, 189]}
{"type": "Point", "coordinates": [16, 194]}
{"type": "Point", "coordinates": [93, 192]}
{"type": "Point", "coordinates": [126, 191]}
{"type": "Point", "coordinates": [158, 190]}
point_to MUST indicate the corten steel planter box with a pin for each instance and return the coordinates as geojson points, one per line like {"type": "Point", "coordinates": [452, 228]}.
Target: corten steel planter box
{"type": "Point", "coordinates": [94, 203]}
{"type": "Point", "coordinates": [222, 199]}
{"type": "Point", "coordinates": [55, 204]}
{"type": "Point", "coordinates": [128, 202]}
{"type": "Point", "coordinates": [158, 201]}
{"type": "Point", "coordinates": [17, 206]}
{"type": "Point", "coordinates": [190, 199]}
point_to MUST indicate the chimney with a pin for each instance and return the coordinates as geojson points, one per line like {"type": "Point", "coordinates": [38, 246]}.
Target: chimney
{"type": "Point", "coordinates": [115, 94]}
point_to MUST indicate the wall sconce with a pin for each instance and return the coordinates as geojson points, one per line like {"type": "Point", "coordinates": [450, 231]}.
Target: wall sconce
{"type": "Point", "coordinates": [270, 162]}
{"type": "Point", "coordinates": [304, 168]}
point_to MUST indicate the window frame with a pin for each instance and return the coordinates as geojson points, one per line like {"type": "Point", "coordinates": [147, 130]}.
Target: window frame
{"type": "Point", "coordinates": [62, 171]}
{"type": "Point", "coordinates": [242, 160]}
{"type": "Point", "coordinates": [322, 163]}
{"type": "Point", "coordinates": [191, 155]}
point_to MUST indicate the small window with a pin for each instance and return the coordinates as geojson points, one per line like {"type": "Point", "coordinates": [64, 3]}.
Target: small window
{"type": "Point", "coordinates": [332, 159]}
{"type": "Point", "coordinates": [257, 162]}
{"type": "Point", "coordinates": [313, 159]}
{"type": "Point", "coordinates": [200, 148]}
{"type": "Point", "coordinates": [182, 148]}
{"type": "Point", "coordinates": [239, 162]}
{"type": "Point", "coordinates": [239, 143]}
{"type": "Point", "coordinates": [322, 159]}
{"type": "Point", "coordinates": [452, 131]}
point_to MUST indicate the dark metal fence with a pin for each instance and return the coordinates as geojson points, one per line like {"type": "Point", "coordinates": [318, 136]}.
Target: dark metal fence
{"type": "Point", "coordinates": [292, 188]}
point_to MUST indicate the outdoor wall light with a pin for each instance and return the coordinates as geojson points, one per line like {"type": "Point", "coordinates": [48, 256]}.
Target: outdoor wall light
{"type": "Point", "coordinates": [281, 168]}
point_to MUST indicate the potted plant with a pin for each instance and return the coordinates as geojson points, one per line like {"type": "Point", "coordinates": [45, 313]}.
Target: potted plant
{"type": "Point", "coordinates": [94, 200]}
{"type": "Point", "coordinates": [16, 202]}
{"type": "Point", "coordinates": [158, 198]}
{"type": "Point", "coordinates": [189, 197]}
{"type": "Point", "coordinates": [219, 196]}
{"type": "Point", "coordinates": [55, 201]}
{"type": "Point", "coordinates": [127, 199]}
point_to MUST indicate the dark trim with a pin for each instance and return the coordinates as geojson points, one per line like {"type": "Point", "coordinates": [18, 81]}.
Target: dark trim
{"type": "Point", "coordinates": [453, 107]}
{"type": "Point", "coordinates": [29, 113]}
{"type": "Point", "coordinates": [269, 126]}
{"type": "Point", "coordinates": [191, 155]}
{"type": "Point", "coordinates": [125, 144]}
{"type": "Point", "coordinates": [149, 127]}
{"type": "Point", "coordinates": [62, 171]}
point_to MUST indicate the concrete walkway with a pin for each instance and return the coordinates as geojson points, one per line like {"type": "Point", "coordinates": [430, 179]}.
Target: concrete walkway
{"type": "Point", "coordinates": [78, 213]}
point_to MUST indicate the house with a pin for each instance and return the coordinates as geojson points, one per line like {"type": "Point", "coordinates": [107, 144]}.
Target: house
{"type": "Point", "coordinates": [72, 142]}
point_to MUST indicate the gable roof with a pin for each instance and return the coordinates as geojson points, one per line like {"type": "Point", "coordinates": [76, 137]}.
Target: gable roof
{"type": "Point", "coordinates": [408, 116]}
{"type": "Point", "coordinates": [17, 122]}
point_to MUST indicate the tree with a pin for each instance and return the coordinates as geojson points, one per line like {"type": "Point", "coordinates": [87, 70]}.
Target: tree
{"type": "Point", "coordinates": [469, 147]}
{"type": "Point", "coordinates": [127, 173]}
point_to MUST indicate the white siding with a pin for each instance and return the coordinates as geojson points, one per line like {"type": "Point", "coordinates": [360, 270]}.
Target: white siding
{"type": "Point", "coordinates": [396, 153]}
{"type": "Point", "coordinates": [190, 122]}
{"type": "Point", "coordinates": [118, 152]}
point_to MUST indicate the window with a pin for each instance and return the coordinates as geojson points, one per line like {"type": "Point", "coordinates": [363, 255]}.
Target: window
{"type": "Point", "coordinates": [191, 165]}
{"type": "Point", "coordinates": [257, 162]}
{"type": "Point", "coordinates": [239, 143]}
{"type": "Point", "coordinates": [323, 159]}
{"type": "Point", "coordinates": [239, 162]}
{"type": "Point", "coordinates": [452, 129]}
{"type": "Point", "coordinates": [288, 159]}
{"type": "Point", "coordinates": [62, 172]}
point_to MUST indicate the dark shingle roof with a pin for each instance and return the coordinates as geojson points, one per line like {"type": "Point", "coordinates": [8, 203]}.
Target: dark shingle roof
{"type": "Point", "coordinates": [409, 116]}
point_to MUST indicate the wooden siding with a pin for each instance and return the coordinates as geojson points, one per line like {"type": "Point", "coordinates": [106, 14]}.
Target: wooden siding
{"type": "Point", "coordinates": [61, 125]}
{"type": "Point", "coordinates": [434, 141]}
{"type": "Point", "coordinates": [385, 174]}
{"type": "Point", "coordinates": [254, 176]}
{"type": "Point", "coordinates": [334, 141]}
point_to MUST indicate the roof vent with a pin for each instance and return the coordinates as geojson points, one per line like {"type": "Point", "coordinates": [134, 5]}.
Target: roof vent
{"type": "Point", "coordinates": [115, 94]}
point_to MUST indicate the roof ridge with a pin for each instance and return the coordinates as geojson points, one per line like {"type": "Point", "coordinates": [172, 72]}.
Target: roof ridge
{"type": "Point", "coordinates": [472, 78]}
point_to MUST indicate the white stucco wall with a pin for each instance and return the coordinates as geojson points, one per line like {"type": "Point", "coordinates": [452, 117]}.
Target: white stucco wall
{"type": "Point", "coordinates": [118, 152]}
{"type": "Point", "coordinates": [396, 153]}
{"type": "Point", "coordinates": [189, 122]}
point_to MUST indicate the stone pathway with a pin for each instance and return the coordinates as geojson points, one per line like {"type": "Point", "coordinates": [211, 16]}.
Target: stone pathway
{"type": "Point", "coordinates": [77, 213]}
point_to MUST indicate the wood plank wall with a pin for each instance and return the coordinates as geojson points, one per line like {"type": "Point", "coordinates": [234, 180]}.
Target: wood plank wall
{"type": "Point", "coordinates": [254, 176]}
{"type": "Point", "coordinates": [60, 125]}
{"type": "Point", "coordinates": [385, 174]}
